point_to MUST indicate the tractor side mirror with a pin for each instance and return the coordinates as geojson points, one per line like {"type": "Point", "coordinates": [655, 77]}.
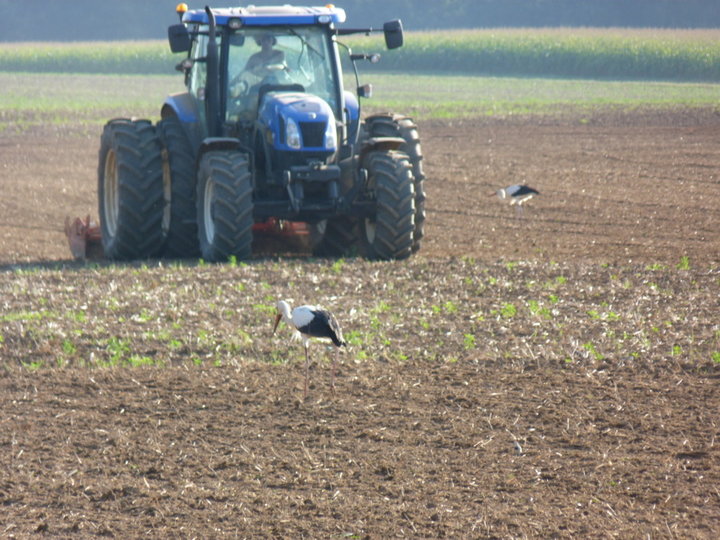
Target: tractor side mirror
{"type": "Point", "coordinates": [179, 38]}
{"type": "Point", "coordinates": [393, 34]}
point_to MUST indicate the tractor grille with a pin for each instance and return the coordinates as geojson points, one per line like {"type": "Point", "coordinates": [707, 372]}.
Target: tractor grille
{"type": "Point", "coordinates": [313, 133]}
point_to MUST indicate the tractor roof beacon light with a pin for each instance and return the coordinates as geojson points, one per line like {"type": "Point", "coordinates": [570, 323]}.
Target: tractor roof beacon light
{"type": "Point", "coordinates": [180, 9]}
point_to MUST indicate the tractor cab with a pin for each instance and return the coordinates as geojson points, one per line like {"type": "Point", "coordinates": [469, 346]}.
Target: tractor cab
{"type": "Point", "coordinates": [239, 56]}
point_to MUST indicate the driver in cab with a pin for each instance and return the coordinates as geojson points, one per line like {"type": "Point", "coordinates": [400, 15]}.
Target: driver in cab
{"type": "Point", "coordinates": [262, 61]}
{"type": "Point", "coordinates": [263, 67]}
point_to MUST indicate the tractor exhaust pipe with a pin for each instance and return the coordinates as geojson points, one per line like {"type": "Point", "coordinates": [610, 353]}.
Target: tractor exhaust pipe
{"type": "Point", "coordinates": [212, 84]}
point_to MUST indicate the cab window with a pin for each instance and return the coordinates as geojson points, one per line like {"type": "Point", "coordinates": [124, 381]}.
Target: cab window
{"type": "Point", "coordinates": [278, 55]}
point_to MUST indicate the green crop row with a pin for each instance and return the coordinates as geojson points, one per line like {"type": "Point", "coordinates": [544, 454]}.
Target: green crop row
{"type": "Point", "coordinates": [577, 53]}
{"type": "Point", "coordinates": [581, 53]}
{"type": "Point", "coordinates": [112, 57]}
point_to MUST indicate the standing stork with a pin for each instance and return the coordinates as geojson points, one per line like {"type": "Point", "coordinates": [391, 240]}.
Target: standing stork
{"type": "Point", "coordinates": [312, 322]}
{"type": "Point", "coordinates": [517, 194]}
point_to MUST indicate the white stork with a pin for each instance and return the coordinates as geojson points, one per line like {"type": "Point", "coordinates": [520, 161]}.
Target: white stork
{"type": "Point", "coordinates": [312, 322]}
{"type": "Point", "coordinates": [517, 193]}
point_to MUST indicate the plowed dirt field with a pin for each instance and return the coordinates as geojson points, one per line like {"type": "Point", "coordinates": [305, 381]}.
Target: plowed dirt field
{"type": "Point", "coordinates": [547, 374]}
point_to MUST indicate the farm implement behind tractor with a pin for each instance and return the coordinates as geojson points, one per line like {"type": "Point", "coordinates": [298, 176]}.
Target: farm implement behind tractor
{"type": "Point", "coordinates": [264, 140]}
{"type": "Point", "coordinates": [85, 238]}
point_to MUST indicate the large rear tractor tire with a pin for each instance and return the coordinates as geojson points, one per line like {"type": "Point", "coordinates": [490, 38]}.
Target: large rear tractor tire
{"type": "Point", "coordinates": [131, 197]}
{"type": "Point", "coordinates": [387, 125]}
{"type": "Point", "coordinates": [179, 178]}
{"type": "Point", "coordinates": [389, 233]}
{"type": "Point", "coordinates": [224, 206]}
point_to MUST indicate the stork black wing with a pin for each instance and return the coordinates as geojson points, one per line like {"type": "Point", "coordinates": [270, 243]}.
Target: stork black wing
{"type": "Point", "coordinates": [518, 191]}
{"type": "Point", "coordinates": [324, 325]}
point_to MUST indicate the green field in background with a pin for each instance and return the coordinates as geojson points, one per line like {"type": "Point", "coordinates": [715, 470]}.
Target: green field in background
{"type": "Point", "coordinates": [678, 55]}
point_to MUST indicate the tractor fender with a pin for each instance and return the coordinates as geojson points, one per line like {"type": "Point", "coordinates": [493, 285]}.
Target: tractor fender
{"type": "Point", "coordinates": [220, 144]}
{"type": "Point", "coordinates": [183, 105]}
{"type": "Point", "coordinates": [352, 110]}
{"type": "Point", "coordinates": [381, 144]}
{"type": "Point", "coordinates": [184, 108]}
{"type": "Point", "coordinates": [352, 106]}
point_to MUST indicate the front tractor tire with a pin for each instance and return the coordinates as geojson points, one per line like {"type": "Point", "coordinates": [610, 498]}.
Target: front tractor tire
{"type": "Point", "coordinates": [224, 206]}
{"type": "Point", "coordinates": [130, 190]}
{"type": "Point", "coordinates": [389, 233]}
{"type": "Point", "coordinates": [394, 125]}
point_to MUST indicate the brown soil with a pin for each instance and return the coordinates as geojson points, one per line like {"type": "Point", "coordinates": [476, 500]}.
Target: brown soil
{"type": "Point", "coordinates": [615, 187]}
{"type": "Point", "coordinates": [545, 374]}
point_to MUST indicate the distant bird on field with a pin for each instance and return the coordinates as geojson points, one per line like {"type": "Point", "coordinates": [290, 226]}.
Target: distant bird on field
{"type": "Point", "coordinates": [312, 322]}
{"type": "Point", "coordinates": [517, 194]}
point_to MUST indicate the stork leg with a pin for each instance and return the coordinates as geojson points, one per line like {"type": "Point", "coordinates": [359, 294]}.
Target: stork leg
{"type": "Point", "coordinates": [334, 364]}
{"type": "Point", "coordinates": [307, 372]}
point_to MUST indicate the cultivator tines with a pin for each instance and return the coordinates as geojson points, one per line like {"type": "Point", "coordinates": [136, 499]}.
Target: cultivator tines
{"type": "Point", "coordinates": [84, 238]}
{"type": "Point", "coordinates": [281, 227]}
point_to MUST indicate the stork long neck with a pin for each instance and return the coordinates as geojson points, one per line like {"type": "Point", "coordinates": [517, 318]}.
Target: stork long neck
{"type": "Point", "coordinates": [285, 311]}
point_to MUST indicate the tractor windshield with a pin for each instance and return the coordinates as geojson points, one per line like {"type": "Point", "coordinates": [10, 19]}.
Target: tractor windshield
{"type": "Point", "coordinates": [278, 56]}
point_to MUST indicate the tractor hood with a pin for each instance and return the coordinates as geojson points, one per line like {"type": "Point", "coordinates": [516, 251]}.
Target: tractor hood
{"type": "Point", "coordinates": [299, 121]}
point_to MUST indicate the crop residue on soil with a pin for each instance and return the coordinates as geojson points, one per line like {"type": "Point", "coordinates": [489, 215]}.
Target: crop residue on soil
{"type": "Point", "coordinates": [551, 374]}
{"type": "Point", "coordinates": [511, 399]}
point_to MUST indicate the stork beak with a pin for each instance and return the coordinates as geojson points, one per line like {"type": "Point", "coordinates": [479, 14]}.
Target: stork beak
{"type": "Point", "coordinates": [277, 321]}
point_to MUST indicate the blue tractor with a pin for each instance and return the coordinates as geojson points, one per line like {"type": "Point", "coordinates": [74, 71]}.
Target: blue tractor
{"type": "Point", "coordinates": [265, 133]}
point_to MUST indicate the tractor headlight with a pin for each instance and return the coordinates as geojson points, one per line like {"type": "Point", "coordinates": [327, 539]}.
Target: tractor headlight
{"type": "Point", "coordinates": [292, 134]}
{"type": "Point", "coordinates": [331, 135]}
